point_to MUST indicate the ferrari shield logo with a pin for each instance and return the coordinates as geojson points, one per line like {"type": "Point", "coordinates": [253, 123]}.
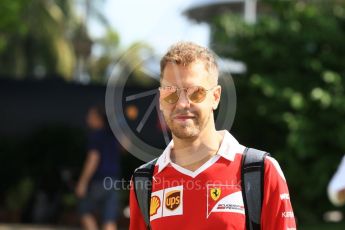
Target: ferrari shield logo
{"type": "Point", "coordinates": [215, 193]}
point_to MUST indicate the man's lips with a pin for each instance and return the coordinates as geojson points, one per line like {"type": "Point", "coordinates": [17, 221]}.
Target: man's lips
{"type": "Point", "coordinates": [183, 117]}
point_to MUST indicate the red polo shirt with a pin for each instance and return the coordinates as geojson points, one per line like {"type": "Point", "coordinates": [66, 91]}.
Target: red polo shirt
{"type": "Point", "coordinates": [211, 197]}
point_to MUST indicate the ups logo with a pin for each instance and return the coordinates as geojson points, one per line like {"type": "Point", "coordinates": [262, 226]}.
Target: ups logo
{"type": "Point", "coordinates": [173, 200]}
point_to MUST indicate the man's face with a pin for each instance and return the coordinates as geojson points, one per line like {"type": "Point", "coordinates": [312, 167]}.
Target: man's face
{"type": "Point", "coordinates": [186, 119]}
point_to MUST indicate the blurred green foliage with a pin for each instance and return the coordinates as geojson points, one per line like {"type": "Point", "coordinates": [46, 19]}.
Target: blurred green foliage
{"type": "Point", "coordinates": [40, 38]}
{"type": "Point", "coordinates": [37, 162]}
{"type": "Point", "coordinates": [330, 226]}
{"type": "Point", "coordinates": [291, 99]}
{"type": "Point", "coordinates": [34, 38]}
{"type": "Point", "coordinates": [18, 195]}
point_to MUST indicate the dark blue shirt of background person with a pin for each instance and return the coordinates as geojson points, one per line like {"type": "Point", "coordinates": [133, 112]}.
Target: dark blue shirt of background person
{"type": "Point", "coordinates": [108, 148]}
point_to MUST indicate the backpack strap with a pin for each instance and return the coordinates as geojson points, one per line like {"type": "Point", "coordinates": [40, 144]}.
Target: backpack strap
{"type": "Point", "coordinates": [252, 177]}
{"type": "Point", "coordinates": [142, 182]}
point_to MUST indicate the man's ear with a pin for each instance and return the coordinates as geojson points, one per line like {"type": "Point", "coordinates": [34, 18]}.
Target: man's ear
{"type": "Point", "coordinates": [161, 82]}
{"type": "Point", "coordinates": [159, 101]}
{"type": "Point", "coordinates": [216, 96]}
{"type": "Point", "coordinates": [160, 105]}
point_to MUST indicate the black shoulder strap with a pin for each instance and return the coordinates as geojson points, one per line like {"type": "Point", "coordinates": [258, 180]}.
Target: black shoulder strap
{"type": "Point", "coordinates": [252, 176]}
{"type": "Point", "coordinates": [142, 182]}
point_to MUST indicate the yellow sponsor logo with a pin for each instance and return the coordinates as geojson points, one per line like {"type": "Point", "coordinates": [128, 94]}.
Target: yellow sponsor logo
{"type": "Point", "coordinates": [155, 204]}
{"type": "Point", "coordinates": [215, 193]}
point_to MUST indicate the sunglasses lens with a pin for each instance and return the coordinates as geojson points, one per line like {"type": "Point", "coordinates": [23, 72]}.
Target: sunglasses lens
{"type": "Point", "coordinates": [169, 94]}
{"type": "Point", "coordinates": [196, 94]}
{"type": "Point", "coordinates": [172, 98]}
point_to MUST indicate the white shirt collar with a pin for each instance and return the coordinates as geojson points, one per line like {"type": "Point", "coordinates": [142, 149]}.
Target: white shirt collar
{"type": "Point", "coordinates": [228, 148]}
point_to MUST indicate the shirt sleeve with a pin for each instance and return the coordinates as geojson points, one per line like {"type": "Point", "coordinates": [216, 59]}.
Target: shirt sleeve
{"type": "Point", "coordinates": [336, 184]}
{"type": "Point", "coordinates": [277, 210]}
{"type": "Point", "coordinates": [136, 219]}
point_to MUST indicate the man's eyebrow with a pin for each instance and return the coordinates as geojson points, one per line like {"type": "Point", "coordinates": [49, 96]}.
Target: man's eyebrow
{"type": "Point", "coordinates": [169, 86]}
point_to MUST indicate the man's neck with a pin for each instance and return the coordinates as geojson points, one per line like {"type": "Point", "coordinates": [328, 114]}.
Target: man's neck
{"type": "Point", "coordinates": [193, 153]}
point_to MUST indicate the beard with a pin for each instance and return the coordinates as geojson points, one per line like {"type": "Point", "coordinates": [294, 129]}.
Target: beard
{"type": "Point", "coordinates": [188, 129]}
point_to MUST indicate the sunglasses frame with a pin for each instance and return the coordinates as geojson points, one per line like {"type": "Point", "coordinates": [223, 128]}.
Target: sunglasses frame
{"type": "Point", "coordinates": [185, 89]}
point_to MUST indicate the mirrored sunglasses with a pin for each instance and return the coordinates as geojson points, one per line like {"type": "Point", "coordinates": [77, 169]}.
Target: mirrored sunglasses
{"type": "Point", "coordinates": [195, 94]}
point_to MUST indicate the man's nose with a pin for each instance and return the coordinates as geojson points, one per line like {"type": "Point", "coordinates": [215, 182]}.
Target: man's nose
{"type": "Point", "coordinates": [183, 101]}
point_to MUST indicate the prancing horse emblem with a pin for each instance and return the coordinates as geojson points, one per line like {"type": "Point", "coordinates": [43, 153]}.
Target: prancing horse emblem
{"type": "Point", "coordinates": [215, 193]}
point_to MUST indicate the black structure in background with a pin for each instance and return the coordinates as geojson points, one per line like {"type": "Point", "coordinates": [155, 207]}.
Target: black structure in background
{"type": "Point", "coordinates": [42, 137]}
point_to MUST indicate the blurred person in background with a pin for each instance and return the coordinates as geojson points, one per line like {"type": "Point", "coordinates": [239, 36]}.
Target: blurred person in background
{"type": "Point", "coordinates": [101, 169]}
{"type": "Point", "coordinates": [336, 187]}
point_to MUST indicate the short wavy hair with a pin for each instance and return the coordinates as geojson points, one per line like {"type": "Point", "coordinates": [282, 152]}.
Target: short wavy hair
{"type": "Point", "coordinates": [185, 53]}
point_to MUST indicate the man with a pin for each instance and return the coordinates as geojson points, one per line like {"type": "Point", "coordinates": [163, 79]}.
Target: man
{"type": "Point", "coordinates": [197, 179]}
{"type": "Point", "coordinates": [102, 161]}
